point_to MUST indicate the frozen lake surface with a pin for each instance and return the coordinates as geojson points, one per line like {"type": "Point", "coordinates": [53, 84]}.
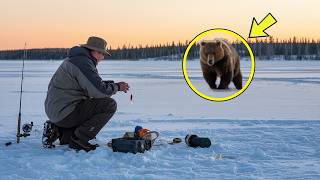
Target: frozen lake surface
{"type": "Point", "coordinates": [271, 131]}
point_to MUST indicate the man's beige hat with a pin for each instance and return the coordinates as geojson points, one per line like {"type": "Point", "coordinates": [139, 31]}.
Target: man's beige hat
{"type": "Point", "coordinates": [97, 44]}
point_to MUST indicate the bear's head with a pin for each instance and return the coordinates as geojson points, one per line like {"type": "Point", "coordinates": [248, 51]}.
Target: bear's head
{"type": "Point", "coordinates": [211, 52]}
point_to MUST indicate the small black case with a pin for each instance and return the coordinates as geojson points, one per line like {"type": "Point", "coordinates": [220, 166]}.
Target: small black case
{"type": "Point", "coordinates": [132, 145]}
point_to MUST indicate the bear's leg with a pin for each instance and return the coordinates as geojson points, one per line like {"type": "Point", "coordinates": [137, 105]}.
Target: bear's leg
{"type": "Point", "coordinates": [237, 80]}
{"type": "Point", "coordinates": [225, 80]}
{"type": "Point", "coordinates": [210, 78]}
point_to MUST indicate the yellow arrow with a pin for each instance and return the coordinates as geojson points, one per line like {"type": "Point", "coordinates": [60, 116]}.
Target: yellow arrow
{"type": "Point", "coordinates": [258, 30]}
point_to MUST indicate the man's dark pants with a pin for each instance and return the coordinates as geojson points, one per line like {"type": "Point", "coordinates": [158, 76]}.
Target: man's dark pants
{"type": "Point", "coordinates": [87, 119]}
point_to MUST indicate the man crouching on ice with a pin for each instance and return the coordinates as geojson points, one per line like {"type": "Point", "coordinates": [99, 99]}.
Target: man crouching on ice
{"type": "Point", "coordinates": [78, 101]}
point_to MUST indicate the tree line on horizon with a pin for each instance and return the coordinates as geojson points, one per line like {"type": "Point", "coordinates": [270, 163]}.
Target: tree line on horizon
{"type": "Point", "coordinates": [263, 48]}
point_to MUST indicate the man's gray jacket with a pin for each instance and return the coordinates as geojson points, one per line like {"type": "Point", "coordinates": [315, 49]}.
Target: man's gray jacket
{"type": "Point", "coordinates": [76, 79]}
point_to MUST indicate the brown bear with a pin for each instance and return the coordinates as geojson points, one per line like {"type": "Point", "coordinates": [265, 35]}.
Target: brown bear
{"type": "Point", "coordinates": [218, 58]}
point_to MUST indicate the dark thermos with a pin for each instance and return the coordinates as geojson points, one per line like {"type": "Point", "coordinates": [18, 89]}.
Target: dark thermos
{"type": "Point", "coordinates": [193, 140]}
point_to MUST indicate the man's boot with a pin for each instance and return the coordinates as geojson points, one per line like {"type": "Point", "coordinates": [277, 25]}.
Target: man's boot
{"type": "Point", "coordinates": [50, 134]}
{"type": "Point", "coordinates": [65, 135]}
{"type": "Point", "coordinates": [78, 144]}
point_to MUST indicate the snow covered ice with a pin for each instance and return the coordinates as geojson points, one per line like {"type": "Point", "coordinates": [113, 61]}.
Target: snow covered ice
{"type": "Point", "coordinates": [271, 131]}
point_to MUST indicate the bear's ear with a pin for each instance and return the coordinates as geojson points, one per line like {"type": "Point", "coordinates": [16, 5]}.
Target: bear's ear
{"type": "Point", "coordinates": [202, 43]}
{"type": "Point", "coordinates": [218, 43]}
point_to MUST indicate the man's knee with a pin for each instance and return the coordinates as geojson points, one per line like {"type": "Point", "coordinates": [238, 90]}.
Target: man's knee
{"type": "Point", "coordinates": [107, 105]}
{"type": "Point", "coordinates": [113, 105]}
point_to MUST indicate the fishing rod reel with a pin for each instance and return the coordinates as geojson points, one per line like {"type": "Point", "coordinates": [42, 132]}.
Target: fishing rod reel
{"type": "Point", "coordinates": [26, 128]}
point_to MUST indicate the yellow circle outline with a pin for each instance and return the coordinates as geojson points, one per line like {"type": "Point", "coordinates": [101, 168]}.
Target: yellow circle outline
{"type": "Point", "coordinates": [184, 63]}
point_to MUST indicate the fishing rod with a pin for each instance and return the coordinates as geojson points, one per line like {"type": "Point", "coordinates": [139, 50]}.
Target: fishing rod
{"type": "Point", "coordinates": [26, 127]}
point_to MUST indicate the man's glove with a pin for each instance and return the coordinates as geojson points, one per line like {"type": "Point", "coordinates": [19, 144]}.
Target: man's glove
{"type": "Point", "coordinates": [111, 82]}
{"type": "Point", "coordinates": [122, 86]}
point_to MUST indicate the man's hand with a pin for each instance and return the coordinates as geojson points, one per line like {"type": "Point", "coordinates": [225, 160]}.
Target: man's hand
{"type": "Point", "coordinates": [123, 86]}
